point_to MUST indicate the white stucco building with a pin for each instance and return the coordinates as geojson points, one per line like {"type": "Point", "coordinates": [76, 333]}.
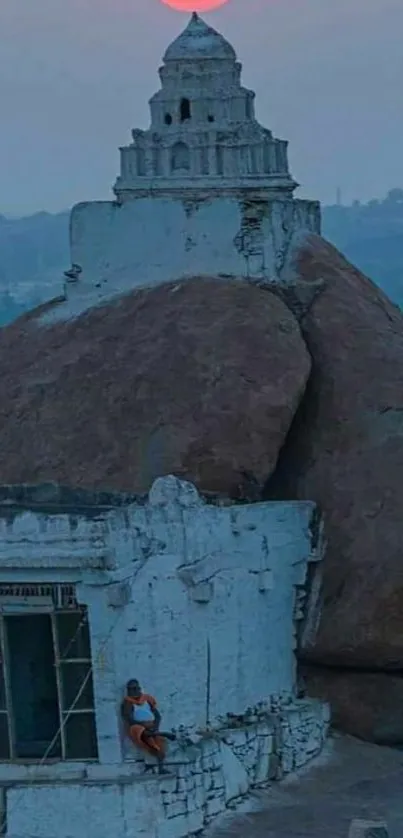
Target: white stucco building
{"type": "Point", "coordinates": [201, 602]}
{"type": "Point", "coordinates": [204, 190]}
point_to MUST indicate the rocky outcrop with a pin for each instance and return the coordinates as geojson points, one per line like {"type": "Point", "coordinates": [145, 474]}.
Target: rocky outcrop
{"type": "Point", "coordinates": [345, 451]}
{"type": "Point", "coordinates": [199, 378]}
{"type": "Point", "coordinates": [368, 705]}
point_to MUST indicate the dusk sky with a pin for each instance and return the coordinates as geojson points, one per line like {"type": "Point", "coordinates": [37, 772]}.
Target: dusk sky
{"type": "Point", "coordinates": [76, 76]}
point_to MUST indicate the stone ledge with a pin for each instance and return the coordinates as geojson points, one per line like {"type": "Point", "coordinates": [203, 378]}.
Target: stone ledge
{"type": "Point", "coordinates": [63, 774]}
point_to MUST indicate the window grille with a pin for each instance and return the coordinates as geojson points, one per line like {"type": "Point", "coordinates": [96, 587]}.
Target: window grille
{"type": "Point", "coordinates": [69, 667]}
{"type": "Point", "coordinates": [62, 596]}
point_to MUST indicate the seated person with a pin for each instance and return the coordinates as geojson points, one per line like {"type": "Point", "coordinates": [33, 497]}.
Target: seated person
{"type": "Point", "coordinates": [142, 720]}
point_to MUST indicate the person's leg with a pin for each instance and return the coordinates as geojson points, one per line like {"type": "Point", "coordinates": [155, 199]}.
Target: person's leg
{"type": "Point", "coordinates": [134, 733]}
{"type": "Point", "coordinates": [151, 742]}
{"type": "Point", "coordinates": [156, 745]}
{"type": "Point", "coordinates": [141, 737]}
{"type": "Point", "coordinates": [155, 742]}
{"type": "Point", "coordinates": [167, 735]}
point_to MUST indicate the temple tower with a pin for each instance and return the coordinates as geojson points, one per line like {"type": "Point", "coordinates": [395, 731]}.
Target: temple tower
{"type": "Point", "coordinates": [203, 133]}
{"type": "Point", "coordinates": [204, 190]}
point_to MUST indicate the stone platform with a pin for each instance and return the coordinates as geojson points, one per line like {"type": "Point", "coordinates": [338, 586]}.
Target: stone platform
{"type": "Point", "coordinates": [206, 777]}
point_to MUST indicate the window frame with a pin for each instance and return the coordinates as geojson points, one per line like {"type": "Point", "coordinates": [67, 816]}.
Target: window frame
{"type": "Point", "coordinates": [8, 711]}
{"type": "Point", "coordinates": [18, 608]}
{"type": "Point", "coordinates": [60, 663]}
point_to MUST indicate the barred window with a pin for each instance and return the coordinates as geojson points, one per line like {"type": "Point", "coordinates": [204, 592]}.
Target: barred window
{"type": "Point", "coordinates": [46, 687]}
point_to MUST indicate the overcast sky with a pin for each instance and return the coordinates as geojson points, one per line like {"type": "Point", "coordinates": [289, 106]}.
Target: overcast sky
{"type": "Point", "coordinates": [76, 75]}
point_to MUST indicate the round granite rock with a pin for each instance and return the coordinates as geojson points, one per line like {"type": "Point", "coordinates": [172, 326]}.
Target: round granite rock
{"type": "Point", "coordinates": [200, 378]}
{"type": "Point", "coordinates": [345, 452]}
{"type": "Point", "coordinates": [368, 705]}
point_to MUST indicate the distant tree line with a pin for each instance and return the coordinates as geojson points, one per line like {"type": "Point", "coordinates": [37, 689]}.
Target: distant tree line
{"type": "Point", "coordinates": [371, 236]}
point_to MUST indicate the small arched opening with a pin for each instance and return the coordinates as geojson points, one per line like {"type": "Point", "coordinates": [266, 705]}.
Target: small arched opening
{"type": "Point", "coordinates": [185, 110]}
{"type": "Point", "coordinates": [180, 158]}
{"type": "Point", "coordinates": [168, 119]}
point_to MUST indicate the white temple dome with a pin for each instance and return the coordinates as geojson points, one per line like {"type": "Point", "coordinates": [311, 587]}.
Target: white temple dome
{"type": "Point", "coordinates": [203, 136]}
{"type": "Point", "coordinates": [199, 40]}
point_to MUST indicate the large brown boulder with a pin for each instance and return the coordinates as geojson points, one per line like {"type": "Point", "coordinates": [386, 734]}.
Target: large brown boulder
{"type": "Point", "coordinates": [368, 705]}
{"type": "Point", "coordinates": [345, 451]}
{"type": "Point", "coordinates": [199, 378]}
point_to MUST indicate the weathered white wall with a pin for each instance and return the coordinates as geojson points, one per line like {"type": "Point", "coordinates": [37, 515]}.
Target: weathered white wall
{"type": "Point", "coordinates": [206, 778]}
{"type": "Point", "coordinates": [210, 624]}
{"type": "Point", "coordinates": [196, 600]}
{"type": "Point", "coordinates": [200, 602]}
{"type": "Point", "coordinates": [151, 240]}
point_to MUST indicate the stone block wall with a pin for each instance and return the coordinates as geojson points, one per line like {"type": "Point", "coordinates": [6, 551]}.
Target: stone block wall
{"type": "Point", "coordinates": [207, 777]}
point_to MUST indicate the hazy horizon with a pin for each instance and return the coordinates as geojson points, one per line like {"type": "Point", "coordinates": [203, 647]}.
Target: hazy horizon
{"type": "Point", "coordinates": [76, 77]}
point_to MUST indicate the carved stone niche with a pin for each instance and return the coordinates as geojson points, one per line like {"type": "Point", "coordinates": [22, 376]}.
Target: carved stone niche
{"type": "Point", "coordinates": [180, 158]}
{"type": "Point", "coordinates": [202, 593]}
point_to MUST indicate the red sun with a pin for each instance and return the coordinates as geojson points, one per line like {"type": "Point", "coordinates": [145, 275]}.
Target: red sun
{"type": "Point", "coordinates": [194, 5]}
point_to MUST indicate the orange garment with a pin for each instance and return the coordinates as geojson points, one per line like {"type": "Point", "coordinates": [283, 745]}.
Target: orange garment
{"type": "Point", "coordinates": [154, 745]}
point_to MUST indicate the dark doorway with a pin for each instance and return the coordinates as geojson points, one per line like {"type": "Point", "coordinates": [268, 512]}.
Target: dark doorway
{"type": "Point", "coordinates": [185, 110]}
{"type": "Point", "coordinates": [33, 686]}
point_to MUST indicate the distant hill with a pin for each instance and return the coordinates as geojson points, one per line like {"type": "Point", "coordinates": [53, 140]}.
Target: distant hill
{"type": "Point", "coordinates": [34, 251]}
{"type": "Point", "coordinates": [371, 236]}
